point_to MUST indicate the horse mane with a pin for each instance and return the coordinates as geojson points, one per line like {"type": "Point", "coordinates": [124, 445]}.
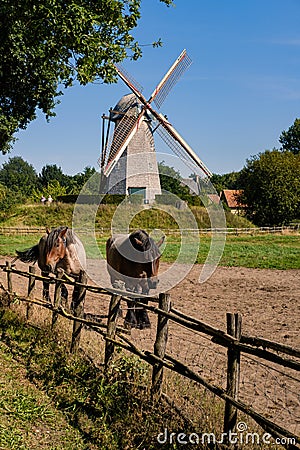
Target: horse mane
{"type": "Point", "coordinates": [54, 234]}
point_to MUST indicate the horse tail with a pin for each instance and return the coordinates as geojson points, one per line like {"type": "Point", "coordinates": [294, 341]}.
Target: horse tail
{"type": "Point", "coordinates": [29, 255]}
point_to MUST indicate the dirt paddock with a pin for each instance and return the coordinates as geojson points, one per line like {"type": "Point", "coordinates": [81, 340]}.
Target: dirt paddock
{"type": "Point", "coordinates": [269, 303]}
{"type": "Point", "coordinates": [269, 300]}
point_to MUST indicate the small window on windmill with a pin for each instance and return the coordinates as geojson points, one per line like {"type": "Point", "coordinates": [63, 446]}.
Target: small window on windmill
{"type": "Point", "coordinates": [137, 195]}
{"type": "Point", "coordinates": [137, 191]}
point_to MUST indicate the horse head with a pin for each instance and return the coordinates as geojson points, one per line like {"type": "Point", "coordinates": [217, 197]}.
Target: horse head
{"type": "Point", "coordinates": [55, 247]}
{"type": "Point", "coordinates": [146, 244]}
{"type": "Point", "coordinates": [134, 260]}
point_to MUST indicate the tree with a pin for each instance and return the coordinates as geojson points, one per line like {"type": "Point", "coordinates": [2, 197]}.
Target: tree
{"type": "Point", "coordinates": [50, 43]}
{"type": "Point", "coordinates": [229, 180]}
{"type": "Point", "coordinates": [19, 176]}
{"type": "Point", "coordinates": [290, 139]}
{"type": "Point", "coordinates": [53, 188]}
{"type": "Point", "coordinates": [89, 179]}
{"type": "Point", "coordinates": [170, 180]}
{"type": "Point", "coordinates": [8, 200]}
{"type": "Point", "coordinates": [50, 173]}
{"type": "Point", "coordinates": [272, 187]}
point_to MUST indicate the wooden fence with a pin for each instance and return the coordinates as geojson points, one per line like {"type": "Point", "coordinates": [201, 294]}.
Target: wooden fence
{"type": "Point", "coordinates": [115, 336]}
{"type": "Point", "coordinates": [107, 231]}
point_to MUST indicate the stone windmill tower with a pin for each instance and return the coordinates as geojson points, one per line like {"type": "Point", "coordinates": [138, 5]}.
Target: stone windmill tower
{"type": "Point", "coordinates": [135, 171]}
{"type": "Point", "coordinates": [128, 160]}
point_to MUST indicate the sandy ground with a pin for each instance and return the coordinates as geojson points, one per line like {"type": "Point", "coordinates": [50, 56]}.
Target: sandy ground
{"type": "Point", "coordinates": [269, 301]}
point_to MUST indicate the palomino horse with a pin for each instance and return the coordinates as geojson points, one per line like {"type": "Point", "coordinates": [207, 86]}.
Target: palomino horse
{"type": "Point", "coordinates": [134, 260]}
{"type": "Point", "coordinates": [59, 248]}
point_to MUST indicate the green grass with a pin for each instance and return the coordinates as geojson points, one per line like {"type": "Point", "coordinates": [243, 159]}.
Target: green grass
{"type": "Point", "coordinates": [36, 215]}
{"type": "Point", "coordinates": [10, 243]}
{"type": "Point", "coordinates": [263, 252]}
{"type": "Point", "coordinates": [28, 420]}
{"type": "Point", "coordinates": [268, 251]}
{"type": "Point", "coordinates": [50, 399]}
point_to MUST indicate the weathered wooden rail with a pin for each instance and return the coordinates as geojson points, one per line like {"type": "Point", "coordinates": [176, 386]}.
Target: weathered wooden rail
{"type": "Point", "coordinates": [106, 231]}
{"type": "Point", "coordinates": [116, 336]}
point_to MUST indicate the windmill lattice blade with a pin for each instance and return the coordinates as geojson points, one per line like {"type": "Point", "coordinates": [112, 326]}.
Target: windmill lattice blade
{"type": "Point", "coordinates": [124, 131]}
{"type": "Point", "coordinates": [129, 114]}
{"type": "Point", "coordinates": [175, 147]}
{"type": "Point", "coordinates": [181, 151]}
{"type": "Point", "coordinates": [129, 78]}
{"type": "Point", "coordinates": [182, 64]}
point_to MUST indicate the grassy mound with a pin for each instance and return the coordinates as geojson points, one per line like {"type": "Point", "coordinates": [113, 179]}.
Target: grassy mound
{"type": "Point", "coordinates": [37, 215]}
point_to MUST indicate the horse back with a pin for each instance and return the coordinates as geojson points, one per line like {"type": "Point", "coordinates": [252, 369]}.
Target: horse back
{"type": "Point", "coordinates": [118, 262]}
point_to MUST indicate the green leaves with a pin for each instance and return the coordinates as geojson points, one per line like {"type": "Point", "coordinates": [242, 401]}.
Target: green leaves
{"type": "Point", "coordinates": [272, 187]}
{"type": "Point", "coordinates": [290, 139]}
{"type": "Point", "coordinates": [45, 43]}
{"type": "Point", "coordinates": [18, 176]}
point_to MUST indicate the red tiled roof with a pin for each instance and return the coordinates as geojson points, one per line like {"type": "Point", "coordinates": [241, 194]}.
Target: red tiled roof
{"type": "Point", "coordinates": [232, 198]}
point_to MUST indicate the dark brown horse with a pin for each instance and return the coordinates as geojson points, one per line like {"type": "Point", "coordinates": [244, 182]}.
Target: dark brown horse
{"type": "Point", "coordinates": [59, 248]}
{"type": "Point", "coordinates": [134, 260]}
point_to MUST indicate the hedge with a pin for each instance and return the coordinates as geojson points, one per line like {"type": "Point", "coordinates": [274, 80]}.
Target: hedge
{"type": "Point", "coordinates": [92, 199]}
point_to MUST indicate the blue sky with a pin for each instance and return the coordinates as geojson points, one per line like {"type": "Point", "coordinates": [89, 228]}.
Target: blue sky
{"type": "Point", "coordinates": [240, 93]}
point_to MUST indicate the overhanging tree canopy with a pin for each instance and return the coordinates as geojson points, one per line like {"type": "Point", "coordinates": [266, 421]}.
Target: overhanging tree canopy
{"type": "Point", "coordinates": [44, 43]}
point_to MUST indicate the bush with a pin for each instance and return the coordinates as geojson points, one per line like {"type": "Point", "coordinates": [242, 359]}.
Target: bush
{"type": "Point", "coordinates": [10, 199]}
{"type": "Point", "coordinates": [108, 199]}
{"type": "Point", "coordinates": [113, 199]}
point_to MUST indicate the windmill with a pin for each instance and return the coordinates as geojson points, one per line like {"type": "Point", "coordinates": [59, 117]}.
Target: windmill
{"type": "Point", "coordinates": [136, 121]}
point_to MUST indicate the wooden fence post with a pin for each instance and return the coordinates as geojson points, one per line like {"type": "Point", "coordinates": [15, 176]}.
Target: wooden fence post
{"type": "Point", "coordinates": [160, 346]}
{"type": "Point", "coordinates": [113, 313]}
{"type": "Point", "coordinates": [31, 286]}
{"type": "Point", "coordinates": [9, 279]}
{"type": "Point", "coordinates": [234, 328]}
{"type": "Point", "coordinates": [57, 295]}
{"type": "Point", "coordinates": [78, 298]}
{"type": "Point", "coordinates": [46, 284]}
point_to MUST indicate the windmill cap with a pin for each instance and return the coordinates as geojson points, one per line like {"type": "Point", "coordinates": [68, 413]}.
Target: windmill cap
{"type": "Point", "coordinates": [127, 102]}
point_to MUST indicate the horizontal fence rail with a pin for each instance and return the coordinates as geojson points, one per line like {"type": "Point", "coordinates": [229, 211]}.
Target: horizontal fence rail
{"type": "Point", "coordinates": [106, 325]}
{"type": "Point", "coordinates": [106, 231]}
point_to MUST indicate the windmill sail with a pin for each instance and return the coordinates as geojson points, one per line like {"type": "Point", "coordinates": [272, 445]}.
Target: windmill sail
{"type": "Point", "coordinates": [161, 91]}
{"type": "Point", "coordinates": [129, 80]}
{"type": "Point", "coordinates": [130, 122]}
{"type": "Point", "coordinates": [124, 132]}
{"type": "Point", "coordinates": [181, 148]}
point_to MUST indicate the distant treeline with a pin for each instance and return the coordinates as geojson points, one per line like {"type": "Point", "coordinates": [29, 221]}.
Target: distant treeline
{"type": "Point", "coordinates": [269, 183]}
